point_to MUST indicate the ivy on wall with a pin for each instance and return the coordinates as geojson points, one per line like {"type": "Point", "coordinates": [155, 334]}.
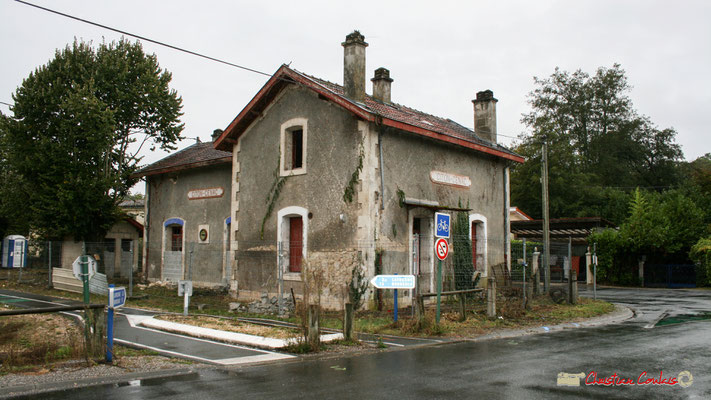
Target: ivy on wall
{"type": "Point", "coordinates": [400, 197]}
{"type": "Point", "coordinates": [349, 191]}
{"type": "Point", "coordinates": [272, 196]}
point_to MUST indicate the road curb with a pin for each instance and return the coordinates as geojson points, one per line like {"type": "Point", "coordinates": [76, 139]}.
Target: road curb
{"type": "Point", "coordinates": [620, 314]}
{"type": "Point", "coordinates": [49, 387]}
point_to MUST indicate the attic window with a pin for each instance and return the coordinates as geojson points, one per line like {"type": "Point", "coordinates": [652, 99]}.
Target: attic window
{"type": "Point", "coordinates": [297, 148]}
{"type": "Point", "coordinates": [293, 147]}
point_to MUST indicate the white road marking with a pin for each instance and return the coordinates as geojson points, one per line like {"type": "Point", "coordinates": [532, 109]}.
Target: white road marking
{"type": "Point", "coordinates": [226, 361]}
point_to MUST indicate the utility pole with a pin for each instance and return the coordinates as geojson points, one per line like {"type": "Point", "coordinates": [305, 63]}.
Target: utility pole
{"type": "Point", "coordinates": [546, 219]}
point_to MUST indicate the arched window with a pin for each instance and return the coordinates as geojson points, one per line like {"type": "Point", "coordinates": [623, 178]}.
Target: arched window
{"type": "Point", "coordinates": [173, 245]}
{"type": "Point", "coordinates": [292, 236]}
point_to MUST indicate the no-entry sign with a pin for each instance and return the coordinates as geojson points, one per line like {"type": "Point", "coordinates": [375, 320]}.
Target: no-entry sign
{"type": "Point", "coordinates": [441, 248]}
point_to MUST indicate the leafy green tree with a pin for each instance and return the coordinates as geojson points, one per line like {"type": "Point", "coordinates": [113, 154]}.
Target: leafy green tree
{"type": "Point", "coordinates": [661, 226]}
{"type": "Point", "coordinates": [701, 254]}
{"type": "Point", "coordinates": [79, 125]}
{"type": "Point", "coordinates": [598, 146]}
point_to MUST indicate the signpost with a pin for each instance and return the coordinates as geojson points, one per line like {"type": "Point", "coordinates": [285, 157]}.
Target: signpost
{"type": "Point", "coordinates": [441, 250]}
{"type": "Point", "coordinates": [394, 282]}
{"type": "Point", "coordinates": [185, 289]}
{"type": "Point", "coordinates": [117, 298]}
{"type": "Point", "coordinates": [84, 268]}
{"type": "Point", "coordinates": [442, 225]}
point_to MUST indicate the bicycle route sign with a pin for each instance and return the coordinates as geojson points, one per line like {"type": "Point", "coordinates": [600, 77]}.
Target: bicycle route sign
{"type": "Point", "coordinates": [441, 248]}
{"type": "Point", "coordinates": [442, 225]}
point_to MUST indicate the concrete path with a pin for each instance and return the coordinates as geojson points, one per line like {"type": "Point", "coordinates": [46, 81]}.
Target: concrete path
{"type": "Point", "coordinates": [127, 332]}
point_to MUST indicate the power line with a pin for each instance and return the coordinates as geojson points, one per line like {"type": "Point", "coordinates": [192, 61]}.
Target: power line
{"type": "Point", "coordinates": [7, 104]}
{"type": "Point", "coordinates": [170, 46]}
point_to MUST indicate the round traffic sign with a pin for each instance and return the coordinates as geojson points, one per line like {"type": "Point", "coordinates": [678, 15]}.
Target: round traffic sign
{"type": "Point", "coordinates": [441, 248]}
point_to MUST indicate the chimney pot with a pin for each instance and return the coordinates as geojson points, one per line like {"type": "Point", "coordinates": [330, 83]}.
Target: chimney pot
{"type": "Point", "coordinates": [381, 85]}
{"type": "Point", "coordinates": [216, 134]}
{"type": "Point", "coordinates": [354, 66]}
{"type": "Point", "coordinates": [485, 115]}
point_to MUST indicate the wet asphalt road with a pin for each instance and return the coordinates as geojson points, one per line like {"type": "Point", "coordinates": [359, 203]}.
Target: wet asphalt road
{"type": "Point", "coordinates": [169, 344]}
{"type": "Point", "coordinates": [525, 367]}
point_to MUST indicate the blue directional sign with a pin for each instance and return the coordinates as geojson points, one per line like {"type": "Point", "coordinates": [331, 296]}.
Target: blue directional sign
{"type": "Point", "coordinates": [117, 297]}
{"type": "Point", "coordinates": [442, 225]}
{"type": "Point", "coordinates": [393, 281]}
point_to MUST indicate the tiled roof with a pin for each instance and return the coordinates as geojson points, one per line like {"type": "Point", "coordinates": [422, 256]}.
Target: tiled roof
{"type": "Point", "coordinates": [412, 117]}
{"type": "Point", "coordinates": [138, 203]}
{"type": "Point", "coordinates": [197, 155]}
{"type": "Point", "coordinates": [393, 115]}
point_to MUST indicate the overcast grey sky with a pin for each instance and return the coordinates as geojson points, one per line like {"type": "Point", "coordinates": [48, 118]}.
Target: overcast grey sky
{"type": "Point", "coordinates": [440, 53]}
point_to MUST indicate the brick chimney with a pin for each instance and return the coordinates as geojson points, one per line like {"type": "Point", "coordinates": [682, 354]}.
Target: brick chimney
{"type": "Point", "coordinates": [485, 115]}
{"type": "Point", "coordinates": [354, 66]}
{"type": "Point", "coordinates": [381, 85]}
{"type": "Point", "coordinates": [216, 134]}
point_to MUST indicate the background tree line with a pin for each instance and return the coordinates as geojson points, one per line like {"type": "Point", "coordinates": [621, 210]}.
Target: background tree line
{"type": "Point", "coordinates": [607, 160]}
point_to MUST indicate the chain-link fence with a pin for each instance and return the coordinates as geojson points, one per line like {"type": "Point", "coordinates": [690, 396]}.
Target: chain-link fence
{"type": "Point", "coordinates": [266, 272]}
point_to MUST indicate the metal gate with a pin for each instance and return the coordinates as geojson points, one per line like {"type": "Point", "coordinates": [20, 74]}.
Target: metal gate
{"type": "Point", "coordinates": [670, 275]}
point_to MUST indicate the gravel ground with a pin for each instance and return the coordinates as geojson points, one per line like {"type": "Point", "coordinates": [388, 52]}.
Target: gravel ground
{"type": "Point", "coordinates": [75, 371]}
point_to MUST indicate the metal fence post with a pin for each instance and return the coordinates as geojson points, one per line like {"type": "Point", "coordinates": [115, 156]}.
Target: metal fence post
{"type": "Point", "coordinates": [524, 272]}
{"type": "Point", "coordinates": [280, 276]}
{"type": "Point", "coordinates": [85, 272]}
{"type": "Point", "coordinates": [571, 295]}
{"type": "Point", "coordinates": [190, 262]}
{"type": "Point", "coordinates": [595, 271]}
{"type": "Point", "coordinates": [130, 274]}
{"type": "Point", "coordinates": [49, 265]}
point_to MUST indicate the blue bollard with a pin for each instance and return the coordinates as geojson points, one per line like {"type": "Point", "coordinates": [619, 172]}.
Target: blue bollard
{"type": "Point", "coordinates": [110, 333]}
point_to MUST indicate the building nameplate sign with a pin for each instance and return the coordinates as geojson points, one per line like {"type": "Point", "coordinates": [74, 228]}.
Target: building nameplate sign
{"type": "Point", "coordinates": [209, 193]}
{"type": "Point", "coordinates": [445, 178]}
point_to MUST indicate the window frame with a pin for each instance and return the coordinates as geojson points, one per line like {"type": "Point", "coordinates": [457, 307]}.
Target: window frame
{"type": "Point", "coordinates": [287, 151]}
{"type": "Point", "coordinates": [480, 223]}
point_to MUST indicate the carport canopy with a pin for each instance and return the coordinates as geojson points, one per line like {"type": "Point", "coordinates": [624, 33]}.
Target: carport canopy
{"type": "Point", "coordinates": [577, 229]}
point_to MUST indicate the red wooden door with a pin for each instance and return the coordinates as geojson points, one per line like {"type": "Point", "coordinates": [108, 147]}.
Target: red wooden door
{"type": "Point", "coordinates": [473, 230]}
{"type": "Point", "coordinates": [296, 240]}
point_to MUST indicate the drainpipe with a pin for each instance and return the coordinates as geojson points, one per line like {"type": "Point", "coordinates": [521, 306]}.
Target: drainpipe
{"type": "Point", "coordinates": [378, 124]}
{"type": "Point", "coordinates": [507, 222]}
{"type": "Point", "coordinates": [146, 225]}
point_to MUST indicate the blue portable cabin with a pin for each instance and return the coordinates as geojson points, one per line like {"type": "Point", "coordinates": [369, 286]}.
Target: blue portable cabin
{"type": "Point", "coordinates": [14, 251]}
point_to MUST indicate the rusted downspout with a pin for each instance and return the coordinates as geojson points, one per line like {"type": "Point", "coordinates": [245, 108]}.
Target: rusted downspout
{"type": "Point", "coordinates": [146, 229]}
{"type": "Point", "coordinates": [379, 125]}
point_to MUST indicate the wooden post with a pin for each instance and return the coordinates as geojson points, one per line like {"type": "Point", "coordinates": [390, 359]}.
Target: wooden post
{"type": "Point", "coordinates": [535, 271]}
{"type": "Point", "coordinates": [420, 301]}
{"type": "Point", "coordinates": [348, 322]}
{"type": "Point", "coordinates": [312, 335]}
{"type": "Point", "coordinates": [573, 289]}
{"type": "Point", "coordinates": [462, 307]}
{"type": "Point", "coordinates": [529, 293]}
{"type": "Point", "coordinates": [94, 333]}
{"type": "Point", "coordinates": [491, 298]}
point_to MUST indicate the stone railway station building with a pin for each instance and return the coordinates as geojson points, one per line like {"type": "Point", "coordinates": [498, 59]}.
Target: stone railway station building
{"type": "Point", "coordinates": [312, 170]}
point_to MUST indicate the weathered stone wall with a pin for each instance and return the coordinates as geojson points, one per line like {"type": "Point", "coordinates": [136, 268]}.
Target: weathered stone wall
{"type": "Point", "coordinates": [168, 198]}
{"type": "Point", "coordinates": [332, 144]}
{"type": "Point", "coordinates": [408, 161]}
